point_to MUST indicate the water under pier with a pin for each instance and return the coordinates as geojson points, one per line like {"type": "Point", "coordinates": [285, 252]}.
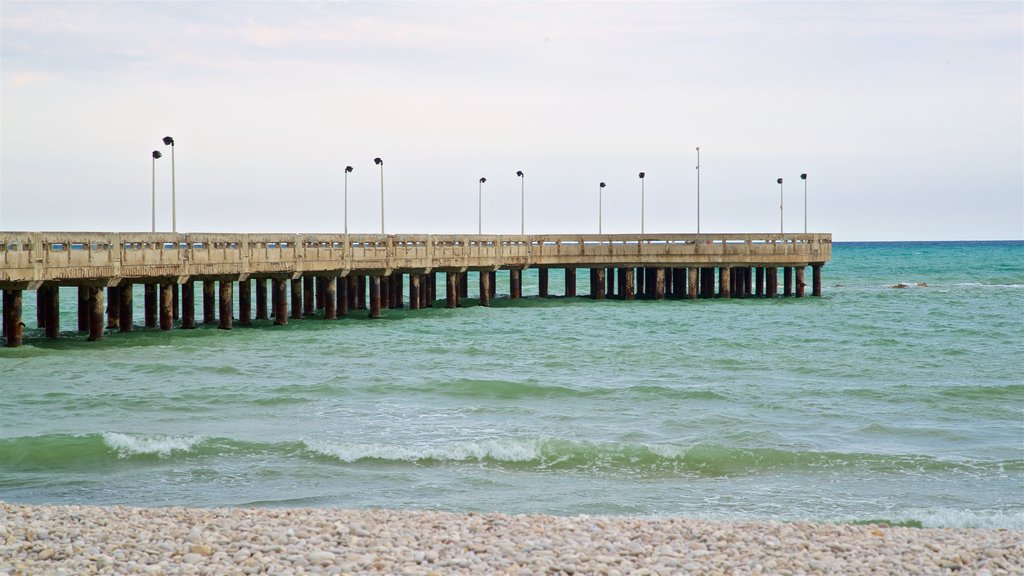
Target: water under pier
{"type": "Point", "coordinates": [342, 273]}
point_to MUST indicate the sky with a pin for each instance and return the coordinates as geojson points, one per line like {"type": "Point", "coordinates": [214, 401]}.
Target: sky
{"type": "Point", "coordinates": [908, 118]}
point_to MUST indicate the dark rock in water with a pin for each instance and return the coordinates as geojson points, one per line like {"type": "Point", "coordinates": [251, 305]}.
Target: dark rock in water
{"type": "Point", "coordinates": [901, 285]}
{"type": "Point", "coordinates": [922, 284]}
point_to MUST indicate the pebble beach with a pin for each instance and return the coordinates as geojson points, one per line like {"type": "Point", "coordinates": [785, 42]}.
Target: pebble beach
{"type": "Point", "coordinates": [72, 539]}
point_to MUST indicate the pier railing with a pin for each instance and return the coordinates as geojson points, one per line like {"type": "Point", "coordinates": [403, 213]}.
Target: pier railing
{"type": "Point", "coordinates": [32, 258]}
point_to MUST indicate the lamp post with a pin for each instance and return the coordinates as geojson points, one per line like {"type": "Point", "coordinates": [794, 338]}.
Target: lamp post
{"type": "Point", "coordinates": [522, 202]}
{"type": "Point", "coordinates": [480, 207]}
{"type": "Point", "coordinates": [600, 201]}
{"type": "Point", "coordinates": [156, 154]}
{"type": "Point", "coordinates": [698, 189]}
{"type": "Point", "coordinates": [380, 163]}
{"type": "Point", "coordinates": [168, 141]}
{"type": "Point", "coordinates": [347, 170]}
{"type": "Point", "coordinates": [804, 178]}
{"type": "Point", "coordinates": [780, 205]}
{"type": "Point", "coordinates": [642, 202]}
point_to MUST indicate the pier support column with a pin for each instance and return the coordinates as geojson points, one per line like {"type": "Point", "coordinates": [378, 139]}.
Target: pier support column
{"type": "Point", "coordinates": [815, 279]}
{"type": "Point", "coordinates": [209, 298]}
{"type": "Point", "coordinates": [800, 282]}
{"type": "Point", "coordinates": [692, 277]}
{"type": "Point", "coordinates": [463, 285]}
{"type": "Point", "coordinates": [113, 307]}
{"type": "Point", "coordinates": [353, 291]}
{"type": "Point", "coordinates": [342, 297]}
{"type": "Point", "coordinates": [321, 293]}
{"type": "Point", "coordinates": [641, 282]}
{"type": "Point", "coordinates": [296, 298]}
{"type": "Point", "coordinates": [759, 281]}
{"type": "Point", "coordinates": [96, 309]}
{"type": "Point", "coordinates": [227, 304]}
{"type": "Point", "coordinates": [51, 302]}
{"type": "Point", "coordinates": [244, 302]}
{"type": "Point", "coordinates": [398, 290]}
{"type": "Point", "coordinates": [125, 303]}
{"type": "Point", "coordinates": [13, 326]}
{"type": "Point", "coordinates": [485, 288]}
{"type": "Point", "coordinates": [659, 283]}
{"type": "Point", "coordinates": [515, 280]}
{"type": "Point", "coordinates": [151, 305]}
{"type": "Point", "coordinates": [374, 282]}
{"type": "Point", "coordinates": [787, 281]}
{"type": "Point", "coordinates": [724, 282]}
{"type": "Point", "coordinates": [494, 284]}
{"type": "Point", "coordinates": [415, 299]}
{"type": "Point", "coordinates": [308, 295]}
{"type": "Point", "coordinates": [542, 282]}
{"type": "Point", "coordinates": [166, 306]}
{"type": "Point", "coordinates": [593, 283]}
{"type": "Point", "coordinates": [452, 289]}
{"type": "Point", "coordinates": [188, 305]}
{"type": "Point", "coordinates": [41, 310]}
{"type": "Point", "coordinates": [609, 277]}
{"type": "Point", "coordinates": [597, 285]}
{"type": "Point", "coordinates": [261, 298]}
{"type": "Point", "coordinates": [429, 289]}
{"type": "Point", "coordinates": [385, 292]}
{"type": "Point", "coordinates": [83, 308]}
{"type": "Point", "coordinates": [361, 292]}
{"type": "Point", "coordinates": [771, 282]}
{"type": "Point", "coordinates": [174, 300]}
{"type": "Point", "coordinates": [628, 286]}
{"type": "Point", "coordinates": [570, 282]}
{"type": "Point", "coordinates": [280, 288]}
{"type": "Point", "coordinates": [679, 283]}
{"type": "Point", "coordinates": [331, 298]}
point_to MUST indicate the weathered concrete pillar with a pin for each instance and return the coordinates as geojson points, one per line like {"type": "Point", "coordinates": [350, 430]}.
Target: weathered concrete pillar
{"type": "Point", "coordinates": [641, 282]}
{"type": "Point", "coordinates": [570, 282]}
{"type": "Point", "coordinates": [308, 295]}
{"type": "Point", "coordinates": [361, 291]}
{"type": "Point", "coordinates": [151, 305]}
{"type": "Point", "coordinates": [692, 283]}
{"type": "Point", "coordinates": [494, 284]}
{"type": "Point", "coordinates": [321, 293]}
{"type": "Point", "coordinates": [485, 288]}
{"type": "Point", "coordinates": [542, 282]}
{"type": "Point", "coordinates": [342, 305]}
{"type": "Point", "coordinates": [374, 282]}
{"type": "Point", "coordinates": [398, 290]}
{"type": "Point", "coordinates": [620, 282]}
{"type": "Point", "coordinates": [771, 287]}
{"type": "Point", "coordinates": [96, 308]}
{"type": "Point", "coordinates": [629, 283]}
{"type": "Point", "coordinates": [749, 284]}
{"type": "Point", "coordinates": [83, 308]}
{"type": "Point", "coordinates": [668, 282]}
{"type": "Point", "coordinates": [659, 283]}
{"type": "Point", "coordinates": [41, 310]}
{"type": "Point", "coordinates": [452, 289]}
{"type": "Point", "coordinates": [415, 299]}
{"type": "Point", "coordinates": [463, 285]}
{"type": "Point", "coordinates": [166, 306]}
{"type": "Point", "coordinates": [515, 280]}
{"type": "Point", "coordinates": [174, 300]}
{"type": "Point", "coordinates": [651, 282]}
{"type": "Point", "coordinates": [245, 302]}
{"type": "Point", "coordinates": [597, 283]}
{"type": "Point", "coordinates": [429, 291]}
{"type": "Point", "coordinates": [209, 301]}
{"type": "Point", "coordinates": [385, 292]}
{"type": "Point", "coordinates": [125, 303]}
{"type": "Point", "coordinates": [113, 307]}
{"type": "Point", "coordinates": [800, 282]}
{"type": "Point", "coordinates": [261, 298]}
{"type": "Point", "coordinates": [330, 298]}
{"type": "Point", "coordinates": [227, 305]}
{"type": "Point", "coordinates": [593, 283]}
{"type": "Point", "coordinates": [280, 288]}
{"type": "Point", "coordinates": [759, 281]}
{"type": "Point", "coordinates": [188, 305]}
{"type": "Point", "coordinates": [353, 291]}
{"type": "Point", "coordinates": [609, 277]}
{"type": "Point", "coordinates": [679, 283]}
{"type": "Point", "coordinates": [724, 282]}
{"type": "Point", "coordinates": [51, 302]}
{"type": "Point", "coordinates": [14, 327]}
{"type": "Point", "coordinates": [296, 298]}
{"type": "Point", "coordinates": [815, 279]}
{"type": "Point", "coordinates": [787, 279]}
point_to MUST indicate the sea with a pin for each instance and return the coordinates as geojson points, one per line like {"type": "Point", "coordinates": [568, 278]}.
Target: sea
{"type": "Point", "coordinates": [897, 396]}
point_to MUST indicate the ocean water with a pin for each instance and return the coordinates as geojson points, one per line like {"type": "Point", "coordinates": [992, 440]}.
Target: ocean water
{"type": "Point", "coordinates": [870, 403]}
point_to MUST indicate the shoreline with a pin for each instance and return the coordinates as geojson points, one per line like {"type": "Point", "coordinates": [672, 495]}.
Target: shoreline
{"type": "Point", "coordinates": [80, 539]}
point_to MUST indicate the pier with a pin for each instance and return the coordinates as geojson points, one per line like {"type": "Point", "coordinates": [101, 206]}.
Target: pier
{"type": "Point", "coordinates": [296, 275]}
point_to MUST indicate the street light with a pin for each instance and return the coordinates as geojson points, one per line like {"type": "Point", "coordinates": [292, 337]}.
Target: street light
{"type": "Point", "coordinates": [168, 141]}
{"type": "Point", "coordinates": [600, 200]}
{"type": "Point", "coordinates": [156, 154]}
{"type": "Point", "coordinates": [698, 189]}
{"type": "Point", "coordinates": [380, 163]}
{"type": "Point", "coordinates": [522, 202]}
{"type": "Point", "coordinates": [780, 205]}
{"type": "Point", "coordinates": [804, 178]}
{"type": "Point", "coordinates": [480, 207]}
{"type": "Point", "coordinates": [642, 202]}
{"type": "Point", "coordinates": [347, 170]}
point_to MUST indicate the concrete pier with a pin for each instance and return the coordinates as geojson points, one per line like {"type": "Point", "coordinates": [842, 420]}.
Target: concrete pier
{"type": "Point", "coordinates": [188, 305]}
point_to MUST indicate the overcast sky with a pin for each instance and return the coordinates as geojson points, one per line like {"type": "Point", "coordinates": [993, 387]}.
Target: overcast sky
{"type": "Point", "coordinates": [907, 117]}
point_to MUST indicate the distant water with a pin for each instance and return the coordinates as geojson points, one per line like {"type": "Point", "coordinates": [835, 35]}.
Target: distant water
{"type": "Point", "coordinates": [871, 403]}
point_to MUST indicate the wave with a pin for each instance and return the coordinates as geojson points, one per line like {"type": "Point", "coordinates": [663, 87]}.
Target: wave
{"type": "Point", "coordinates": [506, 390]}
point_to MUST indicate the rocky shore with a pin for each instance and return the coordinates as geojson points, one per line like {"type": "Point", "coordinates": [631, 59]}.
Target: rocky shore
{"type": "Point", "coordinates": [119, 540]}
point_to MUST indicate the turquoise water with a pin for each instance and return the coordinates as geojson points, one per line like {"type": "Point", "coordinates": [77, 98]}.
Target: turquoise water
{"type": "Point", "coordinates": [905, 405]}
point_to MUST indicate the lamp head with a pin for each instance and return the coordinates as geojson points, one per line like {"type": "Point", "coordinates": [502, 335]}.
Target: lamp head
{"type": "Point", "coordinates": [803, 176]}
{"type": "Point", "coordinates": [156, 154]}
{"type": "Point", "coordinates": [519, 173]}
{"type": "Point", "coordinates": [642, 174]}
{"type": "Point", "coordinates": [482, 180]}
{"type": "Point", "coordinates": [602, 184]}
{"type": "Point", "coordinates": [378, 161]}
{"type": "Point", "coordinates": [348, 168]}
{"type": "Point", "coordinates": [168, 141]}
{"type": "Point", "coordinates": [779, 180]}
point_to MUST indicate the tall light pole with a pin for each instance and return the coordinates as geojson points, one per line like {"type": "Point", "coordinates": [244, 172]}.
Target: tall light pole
{"type": "Point", "coordinates": [480, 207]}
{"type": "Point", "coordinates": [522, 202]}
{"type": "Point", "coordinates": [780, 205]}
{"type": "Point", "coordinates": [347, 170]}
{"type": "Point", "coordinates": [600, 201]}
{"type": "Point", "coordinates": [380, 163]}
{"type": "Point", "coordinates": [804, 178]}
{"type": "Point", "coordinates": [168, 141]}
{"type": "Point", "coordinates": [698, 189]}
{"type": "Point", "coordinates": [642, 202]}
{"type": "Point", "coordinates": [156, 154]}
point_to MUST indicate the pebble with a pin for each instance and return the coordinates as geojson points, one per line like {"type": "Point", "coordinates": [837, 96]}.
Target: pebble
{"type": "Point", "coordinates": [173, 541]}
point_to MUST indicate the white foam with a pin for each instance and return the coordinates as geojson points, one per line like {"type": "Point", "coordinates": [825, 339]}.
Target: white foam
{"type": "Point", "coordinates": [952, 518]}
{"type": "Point", "coordinates": [513, 450]}
{"type": "Point", "coordinates": [128, 445]}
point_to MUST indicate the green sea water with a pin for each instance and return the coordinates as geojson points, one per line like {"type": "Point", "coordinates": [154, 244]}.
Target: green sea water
{"type": "Point", "coordinates": [870, 403]}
